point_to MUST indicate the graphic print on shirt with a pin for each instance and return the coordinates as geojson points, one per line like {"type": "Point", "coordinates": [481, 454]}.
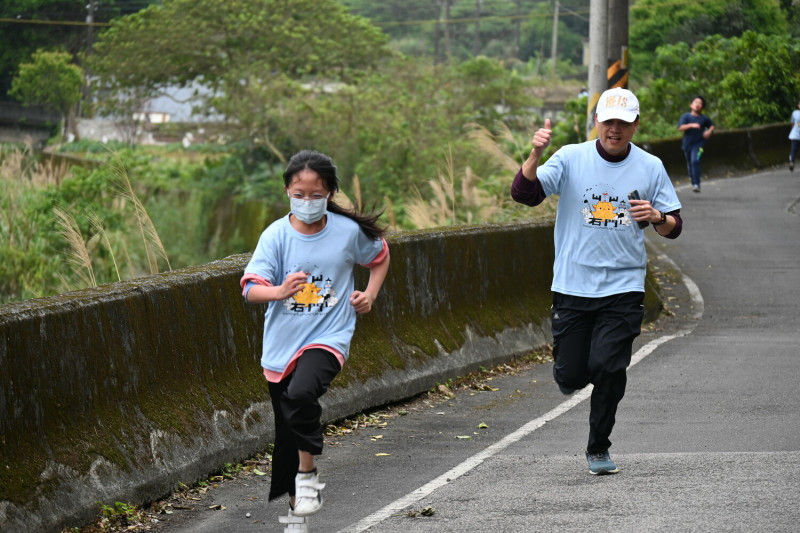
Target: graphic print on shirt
{"type": "Point", "coordinates": [604, 207]}
{"type": "Point", "coordinates": [315, 296]}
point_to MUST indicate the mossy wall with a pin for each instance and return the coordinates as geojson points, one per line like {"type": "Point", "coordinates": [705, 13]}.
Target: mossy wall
{"type": "Point", "coordinates": [121, 391]}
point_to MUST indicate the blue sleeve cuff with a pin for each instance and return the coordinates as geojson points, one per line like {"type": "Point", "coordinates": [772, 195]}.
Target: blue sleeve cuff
{"type": "Point", "coordinates": [250, 285]}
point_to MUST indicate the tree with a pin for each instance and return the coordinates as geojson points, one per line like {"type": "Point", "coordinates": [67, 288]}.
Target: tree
{"type": "Point", "coordinates": [248, 53]}
{"type": "Point", "coordinates": [655, 23]}
{"type": "Point", "coordinates": [414, 26]}
{"type": "Point", "coordinates": [398, 18]}
{"type": "Point", "coordinates": [747, 81]}
{"type": "Point", "coordinates": [573, 28]}
{"type": "Point", "coordinates": [51, 81]}
{"type": "Point", "coordinates": [20, 39]}
{"type": "Point", "coordinates": [29, 25]}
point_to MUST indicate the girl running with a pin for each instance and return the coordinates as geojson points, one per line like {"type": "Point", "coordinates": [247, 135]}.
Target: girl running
{"type": "Point", "coordinates": [303, 268]}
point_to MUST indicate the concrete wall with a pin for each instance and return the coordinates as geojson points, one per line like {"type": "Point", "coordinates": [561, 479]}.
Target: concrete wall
{"type": "Point", "coordinates": [119, 392]}
{"type": "Point", "coordinates": [19, 123]}
{"type": "Point", "coordinates": [728, 152]}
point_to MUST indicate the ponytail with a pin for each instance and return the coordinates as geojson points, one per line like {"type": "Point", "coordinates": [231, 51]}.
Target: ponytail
{"type": "Point", "coordinates": [368, 222]}
{"type": "Point", "coordinates": [326, 169]}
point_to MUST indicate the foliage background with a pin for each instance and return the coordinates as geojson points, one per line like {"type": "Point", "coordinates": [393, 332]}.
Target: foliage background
{"type": "Point", "coordinates": [428, 137]}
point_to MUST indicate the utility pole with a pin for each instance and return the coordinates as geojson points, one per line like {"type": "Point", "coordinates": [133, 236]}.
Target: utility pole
{"type": "Point", "coordinates": [437, 31]}
{"type": "Point", "coordinates": [476, 43]}
{"type": "Point", "coordinates": [617, 44]}
{"type": "Point", "coordinates": [517, 24]}
{"type": "Point", "coordinates": [608, 53]}
{"type": "Point", "coordinates": [598, 45]}
{"type": "Point", "coordinates": [554, 47]}
{"type": "Point", "coordinates": [92, 7]}
{"type": "Point", "coordinates": [447, 48]}
{"type": "Point", "coordinates": [87, 85]}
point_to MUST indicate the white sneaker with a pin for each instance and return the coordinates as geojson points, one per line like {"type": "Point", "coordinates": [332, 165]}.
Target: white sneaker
{"type": "Point", "coordinates": [294, 524]}
{"type": "Point", "coordinates": [307, 498]}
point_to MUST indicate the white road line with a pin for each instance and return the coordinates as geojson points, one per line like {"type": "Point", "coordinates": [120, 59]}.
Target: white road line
{"type": "Point", "coordinates": [466, 466]}
{"type": "Point", "coordinates": [461, 469]}
{"type": "Point", "coordinates": [698, 306]}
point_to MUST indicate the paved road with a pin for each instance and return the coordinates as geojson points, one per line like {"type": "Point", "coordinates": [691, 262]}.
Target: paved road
{"type": "Point", "coordinates": [707, 438]}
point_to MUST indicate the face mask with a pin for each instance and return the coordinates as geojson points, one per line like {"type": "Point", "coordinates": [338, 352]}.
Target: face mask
{"type": "Point", "coordinates": [308, 211]}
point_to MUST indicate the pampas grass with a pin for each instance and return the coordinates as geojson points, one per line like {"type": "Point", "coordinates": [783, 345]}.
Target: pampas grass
{"type": "Point", "coordinates": [491, 144]}
{"type": "Point", "coordinates": [357, 193]}
{"type": "Point", "coordinates": [100, 231]}
{"type": "Point", "coordinates": [471, 205]}
{"type": "Point", "coordinates": [21, 166]}
{"type": "Point", "coordinates": [78, 253]}
{"type": "Point", "coordinates": [153, 246]}
{"type": "Point", "coordinates": [343, 201]}
{"type": "Point", "coordinates": [390, 212]}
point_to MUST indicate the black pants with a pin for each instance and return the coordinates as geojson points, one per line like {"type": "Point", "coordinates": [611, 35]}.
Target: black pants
{"type": "Point", "coordinates": [295, 402]}
{"type": "Point", "coordinates": [592, 343]}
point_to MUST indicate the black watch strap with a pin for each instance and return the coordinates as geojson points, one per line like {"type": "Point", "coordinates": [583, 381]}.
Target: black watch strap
{"type": "Point", "coordinates": [663, 219]}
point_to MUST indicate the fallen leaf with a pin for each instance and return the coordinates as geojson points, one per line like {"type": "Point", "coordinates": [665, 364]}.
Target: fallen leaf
{"type": "Point", "coordinates": [382, 454]}
{"type": "Point", "coordinates": [258, 472]}
{"type": "Point", "coordinates": [428, 511]}
{"type": "Point", "coordinates": [444, 389]}
{"type": "Point", "coordinates": [483, 425]}
{"type": "Point", "coordinates": [464, 437]}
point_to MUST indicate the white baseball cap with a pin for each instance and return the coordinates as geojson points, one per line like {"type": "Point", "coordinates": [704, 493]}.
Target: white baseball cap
{"type": "Point", "coordinates": [617, 103]}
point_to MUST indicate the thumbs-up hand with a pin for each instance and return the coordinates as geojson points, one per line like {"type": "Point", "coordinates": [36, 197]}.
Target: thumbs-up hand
{"type": "Point", "coordinates": [541, 139]}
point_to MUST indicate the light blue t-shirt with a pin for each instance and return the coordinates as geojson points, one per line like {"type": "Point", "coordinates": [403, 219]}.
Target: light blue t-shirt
{"type": "Point", "coordinates": [794, 133]}
{"type": "Point", "coordinates": [599, 248]}
{"type": "Point", "coordinates": [320, 313]}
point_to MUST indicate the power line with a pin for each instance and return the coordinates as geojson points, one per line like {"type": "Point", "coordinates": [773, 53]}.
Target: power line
{"type": "Point", "coordinates": [473, 19]}
{"type": "Point", "coordinates": [55, 22]}
{"type": "Point", "coordinates": [422, 22]}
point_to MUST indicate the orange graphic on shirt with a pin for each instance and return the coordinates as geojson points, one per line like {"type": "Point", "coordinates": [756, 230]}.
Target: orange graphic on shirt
{"type": "Point", "coordinates": [308, 295]}
{"type": "Point", "coordinates": [604, 211]}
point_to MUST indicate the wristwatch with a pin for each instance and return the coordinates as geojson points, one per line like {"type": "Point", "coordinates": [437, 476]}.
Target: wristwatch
{"type": "Point", "coordinates": [662, 221]}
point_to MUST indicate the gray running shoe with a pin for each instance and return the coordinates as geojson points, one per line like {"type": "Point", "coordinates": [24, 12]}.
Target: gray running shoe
{"type": "Point", "coordinates": [600, 463]}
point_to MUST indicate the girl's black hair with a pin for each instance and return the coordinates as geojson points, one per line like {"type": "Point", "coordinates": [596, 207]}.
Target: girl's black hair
{"type": "Point", "coordinates": [324, 166]}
